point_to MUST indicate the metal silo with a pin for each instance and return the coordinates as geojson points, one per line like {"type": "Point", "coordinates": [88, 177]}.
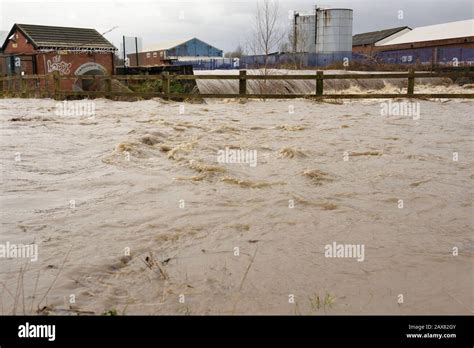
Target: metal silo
{"type": "Point", "coordinates": [332, 34]}
{"type": "Point", "coordinates": [333, 31]}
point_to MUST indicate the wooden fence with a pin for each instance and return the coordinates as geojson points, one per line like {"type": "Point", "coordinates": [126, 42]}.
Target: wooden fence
{"type": "Point", "coordinates": [50, 85]}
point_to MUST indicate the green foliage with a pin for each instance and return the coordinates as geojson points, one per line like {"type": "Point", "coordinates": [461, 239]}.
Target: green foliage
{"type": "Point", "coordinates": [111, 313]}
{"type": "Point", "coordinates": [318, 302]}
{"type": "Point", "coordinates": [146, 86]}
{"type": "Point", "coordinates": [155, 86]}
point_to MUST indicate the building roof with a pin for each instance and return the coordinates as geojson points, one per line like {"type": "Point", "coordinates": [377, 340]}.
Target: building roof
{"type": "Point", "coordinates": [167, 45]}
{"type": "Point", "coordinates": [3, 37]}
{"type": "Point", "coordinates": [44, 36]}
{"type": "Point", "coordinates": [443, 31]}
{"type": "Point", "coordinates": [374, 36]}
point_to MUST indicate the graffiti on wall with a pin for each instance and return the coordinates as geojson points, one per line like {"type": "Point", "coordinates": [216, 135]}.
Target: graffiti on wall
{"type": "Point", "coordinates": [56, 64]}
{"type": "Point", "coordinates": [89, 68]}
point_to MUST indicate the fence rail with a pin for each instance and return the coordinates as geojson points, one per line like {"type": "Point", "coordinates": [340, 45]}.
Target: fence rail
{"type": "Point", "coordinates": [53, 85]}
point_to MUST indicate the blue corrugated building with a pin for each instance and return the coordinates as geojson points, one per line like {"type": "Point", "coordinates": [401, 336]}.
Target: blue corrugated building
{"type": "Point", "coordinates": [184, 48]}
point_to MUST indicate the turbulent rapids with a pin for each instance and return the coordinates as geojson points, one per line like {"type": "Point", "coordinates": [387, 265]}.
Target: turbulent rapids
{"type": "Point", "coordinates": [232, 204]}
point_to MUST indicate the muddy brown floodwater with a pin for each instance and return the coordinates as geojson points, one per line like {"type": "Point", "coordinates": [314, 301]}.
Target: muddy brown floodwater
{"type": "Point", "coordinates": [133, 211]}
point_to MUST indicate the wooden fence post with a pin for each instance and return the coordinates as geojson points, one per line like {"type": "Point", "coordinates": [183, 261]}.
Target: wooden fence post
{"type": "Point", "coordinates": [165, 81]}
{"type": "Point", "coordinates": [243, 83]}
{"type": "Point", "coordinates": [319, 83]}
{"type": "Point", "coordinates": [22, 86]}
{"type": "Point", "coordinates": [57, 85]}
{"type": "Point", "coordinates": [46, 87]}
{"type": "Point", "coordinates": [411, 82]}
{"type": "Point", "coordinates": [108, 82]}
{"type": "Point", "coordinates": [36, 83]}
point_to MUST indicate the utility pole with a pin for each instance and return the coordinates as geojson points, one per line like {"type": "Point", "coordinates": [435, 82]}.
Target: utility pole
{"type": "Point", "coordinates": [136, 50]}
{"type": "Point", "coordinates": [124, 54]}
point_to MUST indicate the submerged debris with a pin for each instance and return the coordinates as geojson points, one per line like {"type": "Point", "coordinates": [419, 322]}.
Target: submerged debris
{"type": "Point", "coordinates": [248, 183]}
{"type": "Point", "coordinates": [317, 176]}
{"type": "Point", "coordinates": [289, 152]}
{"type": "Point", "coordinates": [291, 128]}
{"type": "Point", "coordinates": [366, 153]}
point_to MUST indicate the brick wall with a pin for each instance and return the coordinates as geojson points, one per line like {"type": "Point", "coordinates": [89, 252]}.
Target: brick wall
{"type": "Point", "coordinates": [147, 58]}
{"type": "Point", "coordinates": [66, 63]}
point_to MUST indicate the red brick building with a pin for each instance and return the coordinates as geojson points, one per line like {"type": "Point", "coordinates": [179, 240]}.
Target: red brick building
{"type": "Point", "coordinates": [458, 34]}
{"type": "Point", "coordinates": [365, 43]}
{"type": "Point", "coordinates": [440, 44]}
{"type": "Point", "coordinates": [37, 49]}
{"type": "Point", "coordinates": [147, 59]}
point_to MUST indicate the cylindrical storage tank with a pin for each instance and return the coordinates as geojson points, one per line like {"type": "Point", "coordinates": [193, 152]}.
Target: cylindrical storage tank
{"type": "Point", "coordinates": [334, 31]}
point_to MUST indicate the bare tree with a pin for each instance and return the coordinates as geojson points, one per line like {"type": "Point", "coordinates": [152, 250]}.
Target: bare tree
{"type": "Point", "coordinates": [266, 35]}
{"type": "Point", "coordinates": [237, 53]}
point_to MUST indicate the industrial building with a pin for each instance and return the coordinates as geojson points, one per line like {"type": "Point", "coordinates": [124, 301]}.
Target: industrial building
{"type": "Point", "coordinates": [165, 52]}
{"type": "Point", "coordinates": [453, 34]}
{"type": "Point", "coordinates": [37, 49]}
{"type": "Point", "coordinates": [448, 43]}
{"type": "Point", "coordinates": [317, 39]}
{"type": "Point", "coordinates": [326, 31]}
{"type": "Point", "coordinates": [365, 43]}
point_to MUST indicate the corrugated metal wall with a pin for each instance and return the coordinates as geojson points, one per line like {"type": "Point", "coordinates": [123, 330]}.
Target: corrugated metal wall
{"type": "Point", "coordinates": [211, 63]}
{"type": "Point", "coordinates": [300, 59]}
{"type": "Point", "coordinates": [439, 55]}
{"type": "Point", "coordinates": [421, 56]}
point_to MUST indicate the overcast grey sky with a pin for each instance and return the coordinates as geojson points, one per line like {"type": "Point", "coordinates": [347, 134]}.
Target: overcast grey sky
{"type": "Point", "coordinates": [223, 24]}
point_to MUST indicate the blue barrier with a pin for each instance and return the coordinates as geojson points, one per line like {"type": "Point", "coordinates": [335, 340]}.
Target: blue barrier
{"type": "Point", "coordinates": [428, 55]}
{"type": "Point", "coordinates": [300, 59]}
{"type": "Point", "coordinates": [211, 63]}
